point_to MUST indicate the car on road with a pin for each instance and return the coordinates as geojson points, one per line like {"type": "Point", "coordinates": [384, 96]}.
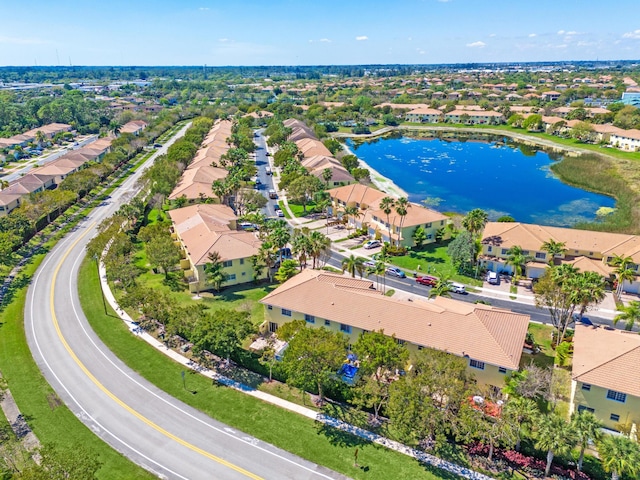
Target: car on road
{"type": "Point", "coordinates": [583, 320]}
{"type": "Point", "coordinates": [427, 280]}
{"type": "Point", "coordinates": [276, 207]}
{"type": "Point", "coordinates": [280, 213]}
{"type": "Point", "coordinates": [372, 244]}
{"type": "Point", "coordinates": [157, 145]}
{"type": "Point", "coordinates": [456, 287]}
{"type": "Point", "coordinates": [369, 263]}
{"type": "Point", "coordinates": [395, 272]}
{"type": "Point", "coordinates": [493, 278]}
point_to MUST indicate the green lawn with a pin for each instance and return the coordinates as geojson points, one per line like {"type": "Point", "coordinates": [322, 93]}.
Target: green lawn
{"type": "Point", "coordinates": [542, 336]}
{"type": "Point", "coordinates": [298, 209]}
{"type": "Point", "coordinates": [432, 260]}
{"type": "Point", "coordinates": [284, 429]}
{"type": "Point", "coordinates": [50, 419]}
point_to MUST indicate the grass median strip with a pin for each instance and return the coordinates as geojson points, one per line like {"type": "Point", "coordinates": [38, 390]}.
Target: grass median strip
{"type": "Point", "coordinates": [50, 419]}
{"type": "Point", "coordinates": [269, 423]}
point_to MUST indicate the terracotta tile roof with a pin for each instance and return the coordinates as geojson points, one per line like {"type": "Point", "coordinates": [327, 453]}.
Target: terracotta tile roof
{"type": "Point", "coordinates": [204, 228]}
{"type": "Point", "coordinates": [197, 181]}
{"type": "Point", "coordinates": [310, 147]}
{"type": "Point", "coordinates": [585, 264]}
{"type": "Point", "coordinates": [482, 332]}
{"type": "Point", "coordinates": [607, 358]}
{"type": "Point", "coordinates": [425, 111]}
{"type": "Point", "coordinates": [357, 193]}
{"type": "Point", "coordinates": [416, 215]}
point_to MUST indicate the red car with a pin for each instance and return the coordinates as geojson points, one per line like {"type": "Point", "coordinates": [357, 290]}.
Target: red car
{"type": "Point", "coordinates": [427, 280]}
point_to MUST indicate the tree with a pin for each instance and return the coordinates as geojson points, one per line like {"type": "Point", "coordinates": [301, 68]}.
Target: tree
{"type": "Point", "coordinates": [257, 265]}
{"type": "Point", "coordinates": [590, 289]}
{"type": "Point", "coordinates": [302, 189]}
{"type": "Point", "coordinates": [419, 237]}
{"type": "Point", "coordinates": [555, 291]}
{"type": "Point", "coordinates": [249, 201]}
{"type": "Point", "coordinates": [222, 332]}
{"type": "Point", "coordinates": [402, 208]}
{"type": "Point", "coordinates": [380, 356]}
{"type": "Point", "coordinates": [619, 455]}
{"type": "Point", "coordinates": [313, 356]}
{"type": "Point", "coordinates": [555, 436]}
{"type": "Point", "coordinates": [279, 237]}
{"type": "Point", "coordinates": [353, 264]}
{"type": "Point", "coordinates": [214, 271]}
{"type": "Point", "coordinates": [554, 249]}
{"type": "Point", "coordinates": [517, 259]}
{"type": "Point", "coordinates": [442, 288]}
{"type": "Point", "coordinates": [41, 138]}
{"type": "Point", "coordinates": [524, 412]}
{"type": "Point", "coordinates": [320, 245]}
{"type": "Point", "coordinates": [629, 313]}
{"type": "Point", "coordinates": [462, 250]}
{"type": "Point", "coordinates": [288, 269]}
{"type": "Point", "coordinates": [327, 175]}
{"type": "Point", "coordinates": [583, 132]}
{"type": "Point", "coordinates": [623, 274]}
{"type": "Point", "coordinates": [349, 162]}
{"type": "Point", "coordinates": [533, 123]}
{"type": "Point", "coordinates": [587, 428]}
{"type": "Point", "coordinates": [301, 246]}
{"type": "Point", "coordinates": [475, 221]}
{"type": "Point", "coordinates": [387, 204]}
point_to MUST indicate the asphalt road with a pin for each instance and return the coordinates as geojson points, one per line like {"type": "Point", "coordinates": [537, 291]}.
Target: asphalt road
{"type": "Point", "coordinates": [147, 425]}
{"type": "Point", "coordinates": [262, 162]}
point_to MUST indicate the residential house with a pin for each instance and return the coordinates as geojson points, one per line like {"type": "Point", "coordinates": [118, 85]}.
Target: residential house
{"type": "Point", "coordinates": [417, 216]}
{"type": "Point", "coordinates": [134, 127]}
{"type": "Point", "coordinates": [11, 197]}
{"type": "Point", "coordinates": [205, 228]}
{"type": "Point", "coordinates": [489, 339]}
{"type": "Point", "coordinates": [605, 379]}
{"type": "Point", "coordinates": [424, 115]}
{"type": "Point", "coordinates": [550, 96]}
{"type": "Point", "coordinates": [474, 117]}
{"type": "Point", "coordinates": [357, 195]}
{"type": "Point", "coordinates": [317, 164]}
{"type": "Point", "coordinates": [588, 250]}
{"type": "Point", "coordinates": [628, 140]}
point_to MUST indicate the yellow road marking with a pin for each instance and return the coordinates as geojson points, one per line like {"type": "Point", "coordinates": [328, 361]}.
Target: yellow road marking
{"type": "Point", "coordinates": [114, 397]}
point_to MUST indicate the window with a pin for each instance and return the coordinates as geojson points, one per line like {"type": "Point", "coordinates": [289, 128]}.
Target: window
{"type": "Point", "coordinates": [489, 248]}
{"type": "Point", "coordinates": [525, 252]}
{"type": "Point", "coordinates": [591, 254]}
{"type": "Point", "coordinates": [427, 225]}
{"type": "Point", "coordinates": [586, 387]}
{"type": "Point", "coordinates": [345, 328]}
{"type": "Point", "coordinates": [502, 370]}
{"type": "Point", "coordinates": [242, 261]}
{"type": "Point", "coordinates": [504, 251]}
{"type": "Point", "coordinates": [614, 418]}
{"type": "Point", "coordinates": [616, 396]}
{"type": "Point", "coordinates": [541, 255]}
{"type": "Point", "coordinates": [375, 219]}
{"type": "Point", "coordinates": [286, 313]}
{"type": "Point", "coordinates": [399, 342]}
{"type": "Point", "coordinates": [273, 326]}
{"type": "Point", "coordinates": [232, 276]}
{"type": "Point", "coordinates": [269, 307]}
{"type": "Point", "coordinates": [476, 364]}
{"type": "Point", "coordinates": [582, 408]}
{"type": "Point", "coordinates": [309, 318]}
{"type": "Point", "coordinates": [327, 323]}
{"type": "Point", "coordinates": [244, 273]}
{"type": "Point", "coordinates": [227, 263]}
{"type": "Point", "coordinates": [420, 347]}
{"type": "Point", "coordinates": [441, 222]}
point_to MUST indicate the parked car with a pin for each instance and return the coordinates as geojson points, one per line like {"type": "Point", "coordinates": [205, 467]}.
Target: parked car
{"type": "Point", "coordinates": [369, 263]}
{"type": "Point", "coordinates": [456, 287]}
{"type": "Point", "coordinates": [276, 207]}
{"type": "Point", "coordinates": [395, 272]}
{"type": "Point", "coordinates": [280, 213]}
{"type": "Point", "coordinates": [372, 244]}
{"type": "Point", "coordinates": [427, 280]}
{"type": "Point", "coordinates": [493, 278]}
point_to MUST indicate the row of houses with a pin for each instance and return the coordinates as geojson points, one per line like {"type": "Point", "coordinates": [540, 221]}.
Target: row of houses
{"type": "Point", "coordinates": [50, 175]}
{"type": "Point", "coordinates": [316, 158]}
{"type": "Point", "coordinates": [195, 183]}
{"type": "Point", "coordinates": [587, 250]}
{"type": "Point", "coordinates": [23, 139]}
{"type": "Point", "coordinates": [395, 228]}
{"type": "Point", "coordinates": [459, 115]}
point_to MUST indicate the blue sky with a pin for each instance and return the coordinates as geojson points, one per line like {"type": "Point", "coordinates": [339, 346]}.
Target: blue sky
{"type": "Point", "coordinates": [295, 32]}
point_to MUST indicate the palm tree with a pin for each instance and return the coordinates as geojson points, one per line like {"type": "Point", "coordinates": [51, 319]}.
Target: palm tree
{"type": "Point", "coordinates": [590, 290]}
{"type": "Point", "coordinates": [523, 411]}
{"type": "Point", "coordinates": [619, 455]}
{"type": "Point", "coordinates": [114, 126]}
{"type": "Point", "coordinates": [630, 314]}
{"type": "Point", "coordinates": [301, 247]}
{"type": "Point", "coordinates": [555, 436]}
{"type": "Point", "coordinates": [214, 271]}
{"type": "Point", "coordinates": [380, 270]}
{"type": "Point", "coordinates": [402, 208]}
{"type": "Point", "coordinates": [352, 265]}
{"type": "Point", "coordinates": [386, 205]}
{"type": "Point", "coordinates": [351, 211]}
{"type": "Point", "coordinates": [320, 244]}
{"type": "Point", "coordinates": [41, 138]}
{"type": "Point", "coordinates": [441, 288]}
{"type": "Point", "coordinates": [3, 184]}
{"type": "Point", "coordinates": [623, 274]}
{"type": "Point", "coordinates": [475, 221]}
{"type": "Point", "coordinates": [517, 258]}
{"type": "Point", "coordinates": [327, 174]}
{"type": "Point", "coordinates": [553, 248]}
{"type": "Point", "coordinates": [586, 428]}
{"type": "Point", "coordinates": [279, 237]}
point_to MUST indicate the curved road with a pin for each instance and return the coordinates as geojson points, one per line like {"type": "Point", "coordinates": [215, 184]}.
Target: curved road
{"type": "Point", "coordinates": [147, 425]}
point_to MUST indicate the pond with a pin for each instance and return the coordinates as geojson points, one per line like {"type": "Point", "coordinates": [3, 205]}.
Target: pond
{"type": "Point", "coordinates": [494, 174]}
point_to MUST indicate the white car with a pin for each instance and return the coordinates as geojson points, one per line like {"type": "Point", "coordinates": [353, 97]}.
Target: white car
{"type": "Point", "coordinates": [456, 287]}
{"type": "Point", "coordinates": [493, 279]}
{"type": "Point", "coordinates": [372, 244]}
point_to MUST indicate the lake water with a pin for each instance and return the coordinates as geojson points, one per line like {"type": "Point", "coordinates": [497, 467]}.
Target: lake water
{"type": "Point", "coordinates": [498, 178]}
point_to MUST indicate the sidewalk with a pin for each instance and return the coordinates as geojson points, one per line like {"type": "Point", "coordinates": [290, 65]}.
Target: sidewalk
{"type": "Point", "coordinates": [292, 407]}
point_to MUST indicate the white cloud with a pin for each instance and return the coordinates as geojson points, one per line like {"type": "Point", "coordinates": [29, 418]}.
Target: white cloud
{"type": "Point", "coordinates": [444, 1]}
{"type": "Point", "coordinates": [583, 43]}
{"type": "Point", "coordinates": [223, 40]}
{"type": "Point", "coordinates": [573, 32]}
{"type": "Point", "coordinates": [325, 40]}
{"type": "Point", "coordinates": [420, 51]}
{"type": "Point", "coordinates": [491, 35]}
{"type": "Point", "coordinates": [22, 40]}
{"type": "Point", "coordinates": [635, 35]}
{"type": "Point", "coordinates": [561, 32]}
{"type": "Point", "coordinates": [478, 44]}
{"type": "Point", "coordinates": [203, 9]}
{"type": "Point", "coordinates": [531, 35]}
{"type": "Point", "coordinates": [362, 37]}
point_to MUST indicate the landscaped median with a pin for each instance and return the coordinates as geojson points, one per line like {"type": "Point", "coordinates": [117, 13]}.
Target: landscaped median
{"type": "Point", "coordinates": [290, 431]}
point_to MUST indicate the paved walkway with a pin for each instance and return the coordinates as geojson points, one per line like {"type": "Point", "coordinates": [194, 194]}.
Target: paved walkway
{"type": "Point", "coordinates": [17, 422]}
{"type": "Point", "coordinates": [293, 407]}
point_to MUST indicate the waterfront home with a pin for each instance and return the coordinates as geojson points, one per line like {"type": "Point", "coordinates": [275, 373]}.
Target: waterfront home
{"type": "Point", "coordinates": [488, 338]}
{"type": "Point", "coordinates": [474, 117]}
{"type": "Point", "coordinates": [424, 115]}
{"type": "Point", "coordinates": [605, 379]}
{"type": "Point", "coordinates": [205, 228]}
{"type": "Point", "coordinates": [628, 140]}
{"type": "Point", "coordinates": [594, 250]}
{"type": "Point", "coordinates": [317, 164]}
{"type": "Point", "coordinates": [356, 195]}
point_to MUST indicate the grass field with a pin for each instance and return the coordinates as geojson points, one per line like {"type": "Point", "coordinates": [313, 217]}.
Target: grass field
{"type": "Point", "coordinates": [284, 429]}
